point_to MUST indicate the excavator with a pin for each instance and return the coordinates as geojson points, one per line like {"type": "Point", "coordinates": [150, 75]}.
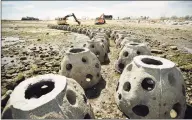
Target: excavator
{"type": "Point", "coordinates": [63, 21]}
{"type": "Point", "coordinates": [100, 20]}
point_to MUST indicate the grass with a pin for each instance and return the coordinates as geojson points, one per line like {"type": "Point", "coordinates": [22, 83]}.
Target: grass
{"type": "Point", "coordinates": [183, 60]}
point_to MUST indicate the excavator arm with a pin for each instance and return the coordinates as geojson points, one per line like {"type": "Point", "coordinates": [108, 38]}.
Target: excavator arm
{"type": "Point", "coordinates": [65, 18]}
{"type": "Point", "coordinates": [76, 19]}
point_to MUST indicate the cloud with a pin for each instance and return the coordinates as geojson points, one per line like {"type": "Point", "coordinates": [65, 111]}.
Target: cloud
{"type": "Point", "coordinates": [93, 9]}
{"type": "Point", "coordinates": [23, 8]}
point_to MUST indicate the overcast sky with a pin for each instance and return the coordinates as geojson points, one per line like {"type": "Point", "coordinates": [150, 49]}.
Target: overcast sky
{"type": "Point", "coordinates": [93, 9]}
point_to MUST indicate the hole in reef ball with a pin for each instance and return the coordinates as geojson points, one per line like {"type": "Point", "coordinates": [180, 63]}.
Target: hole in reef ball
{"type": "Point", "coordinates": [150, 61]}
{"type": "Point", "coordinates": [38, 89]}
{"type": "Point", "coordinates": [148, 84]}
{"type": "Point", "coordinates": [71, 97]}
{"type": "Point", "coordinates": [125, 54]}
{"type": "Point", "coordinates": [127, 86]}
{"type": "Point", "coordinates": [141, 110]}
{"type": "Point", "coordinates": [68, 66]}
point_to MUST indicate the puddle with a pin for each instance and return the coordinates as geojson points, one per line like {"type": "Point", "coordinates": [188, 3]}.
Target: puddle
{"type": "Point", "coordinates": [11, 41]}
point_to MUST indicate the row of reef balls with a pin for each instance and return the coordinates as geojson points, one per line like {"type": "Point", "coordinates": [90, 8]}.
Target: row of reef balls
{"type": "Point", "coordinates": [149, 86]}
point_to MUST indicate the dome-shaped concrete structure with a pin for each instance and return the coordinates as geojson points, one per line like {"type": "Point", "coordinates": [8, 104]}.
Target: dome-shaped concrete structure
{"type": "Point", "coordinates": [151, 87]}
{"type": "Point", "coordinates": [48, 96]}
{"type": "Point", "coordinates": [82, 65]}
{"type": "Point", "coordinates": [129, 51]}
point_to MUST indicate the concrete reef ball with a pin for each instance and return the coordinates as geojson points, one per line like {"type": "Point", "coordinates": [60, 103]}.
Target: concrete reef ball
{"type": "Point", "coordinates": [48, 96]}
{"type": "Point", "coordinates": [82, 65]}
{"type": "Point", "coordinates": [113, 34]}
{"type": "Point", "coordinates": [151, 87]}
{"type": "Point", "coordinates": [129, 51]}
{"type": "Point", "coordinates": [128, 40]}
{"type": "Point", "coordinates": [98, 48]}
{"type": "Point", "coordinates": [104, 41]}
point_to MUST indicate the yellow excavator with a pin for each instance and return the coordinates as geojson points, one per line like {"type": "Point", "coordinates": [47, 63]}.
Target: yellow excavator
{"type": "Point", "coordinates": [63, 21]}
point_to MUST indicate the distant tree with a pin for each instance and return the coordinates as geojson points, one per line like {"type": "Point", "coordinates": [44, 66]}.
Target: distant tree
{"type": "Point", "coordinates": [173, 17]}
{"type": "Point", "coordinates": [187, 17]}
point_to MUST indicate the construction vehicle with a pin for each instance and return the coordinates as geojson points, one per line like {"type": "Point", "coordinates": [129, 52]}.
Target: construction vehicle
{"type": "Point", "coordinates": [100, 20]}
{"type": "Point", "coordinates": [63, 21]}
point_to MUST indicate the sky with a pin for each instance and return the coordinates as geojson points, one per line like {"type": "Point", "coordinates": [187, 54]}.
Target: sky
{"type": "Point", "coordinates": [92, 9]}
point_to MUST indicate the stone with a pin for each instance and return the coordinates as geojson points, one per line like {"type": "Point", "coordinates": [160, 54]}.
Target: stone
{"type": "Point", "coordinates": [48, 96]}
{"type": "Point", "coordinates": [11, 71]}
{"type": "Point", "coordinates": [129, 51]}
{"type": "Point", "coordinates": [8, 76]}
{"type": "Point", "coordinates": [44, 55]}
{"type": "Point", "coordinates": [173, 47]}
{"type": "Point", "coordinates": [23, 58]}
{"type": "Point", "coordinates": [82, 65]}
{"type": "Point", "coordinates": [151, 88]}
{"type": "Point", "coordinates": [34, 48]}
{"type": "Point", "coordinates": [56, 64]}
{"type": "Point", "coordinates": [156, 51]}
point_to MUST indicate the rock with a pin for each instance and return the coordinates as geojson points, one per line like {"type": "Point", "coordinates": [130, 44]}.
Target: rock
{"type": "Point", "coordinates": [41, 63]}
{"type": "Point", "coordinates": [156, 51]}
{"type": "Point", "coordinates": [187, 82]}
{"type": "Point", "coordinates": [163, 56]}
{"type": "Point", "coordinates": [11, 71]}
{"type": "Point", "coordinates": [11, 85]}
{"type": "Point", "coordinates": [44, 55]}
{"type": "Point", "coordinates": [8, 76]}
{"type": "Point", "coordinates": [23, 58]}
{"type": "Point", "coordinates": [56, 64]}
{"type": "Point", "coordinates": [189, 89]}
{"type": "Point", "coordinates": [173, 47]}
{"type": "Point", "coordinates": [16, 53]}
{"type": "Point", "coordinates": [48, 64]}
{"type": "Point", "coordinates": [38, 39]}
{"type": "Point", "coordinates": [24, 52]}
{"type": "Point", "coordinates": [57, 58]}
{"type": "Point", "coordinates": [34, 48]}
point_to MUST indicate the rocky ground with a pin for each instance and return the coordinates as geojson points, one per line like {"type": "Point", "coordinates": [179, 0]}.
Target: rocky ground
{"type": "Point", "coordinates": [31, 48]}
